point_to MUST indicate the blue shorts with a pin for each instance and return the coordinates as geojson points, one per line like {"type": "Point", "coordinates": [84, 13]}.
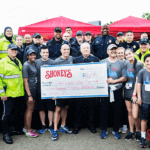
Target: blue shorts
{"type": "Point", "coordinates": [144, 110]}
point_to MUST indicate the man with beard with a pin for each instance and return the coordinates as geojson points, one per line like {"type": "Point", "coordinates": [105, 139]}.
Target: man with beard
{"type": "Point", "coordinates": [101, 43]}
{"type": "Point", "coordinates": [55, 44]}
{"type": "Point", "coordinates": [120, 38]}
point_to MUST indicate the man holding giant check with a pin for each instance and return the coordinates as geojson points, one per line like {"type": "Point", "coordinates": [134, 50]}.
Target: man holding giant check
{"type": "Point", "coordinates": [76, 81]}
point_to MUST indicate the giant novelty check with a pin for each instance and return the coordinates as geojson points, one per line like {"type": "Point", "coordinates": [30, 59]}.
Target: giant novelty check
{"type": "Point", "coordinates": [74, 80]}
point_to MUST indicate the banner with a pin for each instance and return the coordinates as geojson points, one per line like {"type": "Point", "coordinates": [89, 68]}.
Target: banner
{"type": "Point", "coordinates": [74, 80]}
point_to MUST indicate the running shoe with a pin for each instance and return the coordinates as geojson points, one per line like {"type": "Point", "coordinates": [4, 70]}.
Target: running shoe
{"type": "Point", "coordinates": [43, 129]}
{"type": "Point", "coordinates": [124, 129]}
{"type": "Point", "coordinates": [142, 143]}
{"type": "Point", "coordinates": [129, 136]}
{"type": "Point", "coordinates": [54, 135]}
{"type": "Point", "coordinates": [116, 134]}
{"type": "Point", "coordinates": [138, 136]}
{"type": "Point", "coordinates": [50, 129]}
{"type": "Point", "coordinates": [103, 134]}
{"type": "Point", "coordinates": [65, 129]}
{"type": "Point", "coordinates": [31, 134]}
{"type": "Point", "coordinates": [25, 130]}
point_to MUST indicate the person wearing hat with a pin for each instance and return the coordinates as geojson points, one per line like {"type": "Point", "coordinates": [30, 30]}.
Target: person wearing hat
{"type": "Point", "coordinates": [88, 38]}
{"type": "Point", "coordinates": [143, 50]}
{"type": "Point", "coordinates": [69, 31]}
{"type": "Point", "coordinates": [11, 79]}
{"type": "Point", "coordinates": [30, 83]}
{"type": "Point", "coordinates": [35, 46]}
{"type": "Point", "coordinates": [129, 42]}
{"type": "Point", "coordinates": [84, 103]}
{"type": "Point", "coordinates": [116, 74]}
{"type": "Point", "coordinates": [101, 43]}
{"type": "Point", "coordinates": [75, 46]}
{"type": "Point", "coordinates": [120, 38]}
{"type": "Point", "coordinates": [5, 41]}
{"type": "Point", "coordinates": [55, 44]}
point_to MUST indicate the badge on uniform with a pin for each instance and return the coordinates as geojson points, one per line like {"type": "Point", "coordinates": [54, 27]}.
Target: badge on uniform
{"type": "Point", "coordinates": [117, 42]}
{"type": "Point", "coordinates": [134, 46]}
{"type": "Point", "coordinates": [109, 41]}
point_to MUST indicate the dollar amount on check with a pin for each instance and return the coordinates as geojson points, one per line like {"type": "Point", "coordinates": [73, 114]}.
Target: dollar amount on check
{"type": "Point", "coordinates": [74, 80]}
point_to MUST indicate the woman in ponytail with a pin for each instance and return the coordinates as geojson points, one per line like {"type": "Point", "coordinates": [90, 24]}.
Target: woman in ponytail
{"type": "Point", "coordinates": [130, 94]}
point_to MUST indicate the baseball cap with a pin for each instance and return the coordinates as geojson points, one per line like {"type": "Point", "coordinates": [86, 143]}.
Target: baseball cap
{"type": "Point", "coordinates": [79, 33]}
{"type": "Point", "coordinates": [111, 46]}
{"type": "Point", "coordinates": [120, 33]}
{"type": "Point", "coordinates": [144, 40]}
{"type": "Point", "coordinates": [88, 32]}
{"type": "Point", "coordinates": [36, 34]}
{"type": "Point", "coordinates": [30, 51]}
{"type": "Point", "coordinates": [12, 46]}
{"type": "Point", "coordinates": [58, 29]}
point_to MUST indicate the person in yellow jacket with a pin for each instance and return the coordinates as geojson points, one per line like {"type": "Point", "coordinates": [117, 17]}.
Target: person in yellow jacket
{"type": "Point", "coordinates": [5, 41]}
{"type": "Point", "coordinates": [11, 87]}
{"type": "Point", "coordinates": [142, 51]}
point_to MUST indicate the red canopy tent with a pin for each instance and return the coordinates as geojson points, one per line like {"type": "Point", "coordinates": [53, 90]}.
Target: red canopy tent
{"type": "Point", "coordinates": [46, 27]}
{"type": "Point", "coordinates": [137, 25]}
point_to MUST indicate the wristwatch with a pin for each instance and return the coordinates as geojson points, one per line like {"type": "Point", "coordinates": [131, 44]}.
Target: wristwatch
{"type": "Point", "coordinates": [29, 95]}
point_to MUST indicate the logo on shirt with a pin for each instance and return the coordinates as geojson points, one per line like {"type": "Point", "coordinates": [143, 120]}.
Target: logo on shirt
{"type": "Point", "coordinates": [130, 74]}
{"type": "Point", "coordinates": [147, 81]}
{"type": "Point", "coordinates": [134, 46]}
{"type": "Point", "coordinates": [112, 73]}
{"type": "Point", "coordinates": [58, 73]}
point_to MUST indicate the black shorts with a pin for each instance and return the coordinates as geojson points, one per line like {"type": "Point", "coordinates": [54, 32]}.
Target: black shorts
{"type": "Point", "coordinates": [128, 99]}
{"type": "Point", "coordinates": [144, 110]}
{"type": "Point", "coordinates": [33, 93]}
{"type": "Point", "coordinates": [45, 104]}
{"type": "Point", "coordinates": [62, 102]}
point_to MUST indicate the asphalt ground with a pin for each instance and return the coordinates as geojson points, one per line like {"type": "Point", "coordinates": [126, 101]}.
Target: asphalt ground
{"type": "Point", "coordinates": [84, 140]}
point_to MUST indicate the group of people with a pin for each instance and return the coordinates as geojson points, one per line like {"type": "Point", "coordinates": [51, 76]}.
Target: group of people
{"type": "Point", "coordinates": [128, 79]}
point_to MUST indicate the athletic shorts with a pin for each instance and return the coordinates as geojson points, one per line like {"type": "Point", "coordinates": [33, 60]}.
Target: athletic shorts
{"type": "Point", "coordinates": [128, 99]}
{"type": "Point", "coordinates": [33, 93]}
{"type": "Point", "coordinates": [62, 102]}
{"type": "Point", "coordinates": [144, 110]}
{"type": "Point", "coordinates": [45, 104]}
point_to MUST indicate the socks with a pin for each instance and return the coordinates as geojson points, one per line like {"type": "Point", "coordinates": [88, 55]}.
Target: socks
{"type": "Point", "coordinates": [24, 130]}
{"type": "Point", "coordinates": [143, 134]}
{"type": "Point", "coordinates": [62, 125]}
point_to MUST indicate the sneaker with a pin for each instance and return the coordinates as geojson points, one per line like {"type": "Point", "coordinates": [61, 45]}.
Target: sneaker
{"type": "Point", "coordinates": [142, 143]}
{"type": "Point", "coordinates": [24, 130]}
{"type": "Point", "coordinates": [54, 135]}
{"type": "Point", "coordinates": [138, 136]}
{"type": "Point", "coordinates": [124, 129]}
{"type": "Point", "coordinates": [31, 134]}
{"type": "Point", "coordinates": [116, 134]}
{"type": "Point", "coordinates": [43, 129]}
{"type": "Point", "coordinates": [32, 130]}
{"type": "Point", "coordinates": [103, 134]}
{"type": "Point", "coordinates": [50, 129]}
{"type": "Point", "coordinates": [65, 129]}
{"type": "Point", "coordinates": [129, 136]}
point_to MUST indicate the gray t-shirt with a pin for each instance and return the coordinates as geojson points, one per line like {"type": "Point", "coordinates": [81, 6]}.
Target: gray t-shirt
{"type": "Point", "coordinates": [131, 78]}
{"type": "Point", "coordinates": [144, 79]}
{"type": "Point", "coordinates": [30, 72]}
{"type": "Point", "coordinates": [125, 62]}
{"type": "Point", "coordinates": [38, 64]}
{"type": "Point", "coordinates": [115, 70]}
{"type": "Point", "coordinates": [60, 60]}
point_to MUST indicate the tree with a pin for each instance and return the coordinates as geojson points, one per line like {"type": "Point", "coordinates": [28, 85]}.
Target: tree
{"type": "Point", "coordinates": [146, 16]}
{"type": "Point", "coordinates": [110, 22]}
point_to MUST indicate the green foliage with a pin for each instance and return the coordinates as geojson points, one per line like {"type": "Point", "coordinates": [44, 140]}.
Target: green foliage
{"type": "Point", "coordinates": [110, 22]}
{"type": "Point", "coordinates": [2, 35]}
{"type": "Point", "coordinates": [146, 16]}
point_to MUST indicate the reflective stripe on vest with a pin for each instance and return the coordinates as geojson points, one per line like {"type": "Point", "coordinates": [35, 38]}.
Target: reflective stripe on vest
{"type": "Point", "coordinates": [1, 75]}
{"type": "Point", "coordinates": [2, 91]}
{"type": "Point", "coordinates": [12, 76]}
{"type": "Point", "coordinates": [3, 52]}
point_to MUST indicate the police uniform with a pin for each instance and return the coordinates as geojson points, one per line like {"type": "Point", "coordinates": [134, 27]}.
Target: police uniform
{"type": "Point", "coordinates": [72, 39]}
{"type": "Point", "coordinates": [11, 77]}
{"type": "Point", "coordinates": [100, 45]}
{"type": "Point", "coordinates": [133, 45]}
{"type": "Point", "coordinates": [88, 103]}
{"type": "Point", "coordinates": [54, 47]}
{"type": "Point", "coordinates": [20, 54]}
{"type": "Point", "coordinates": [75, 49]}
